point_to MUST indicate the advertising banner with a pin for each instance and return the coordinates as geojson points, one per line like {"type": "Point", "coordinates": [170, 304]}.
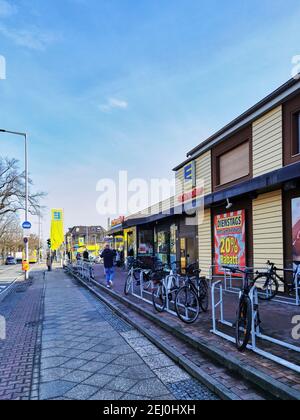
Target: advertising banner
{"type": "Point", "coordinates": [230, 240]}
{"type": "Point", "coordinates": [57, 229]}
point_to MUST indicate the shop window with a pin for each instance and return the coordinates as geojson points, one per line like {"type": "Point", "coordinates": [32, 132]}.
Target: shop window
{"type": "Point", "coordinates": [234, 165]}
{"type": "Point", "coordinates": [146, 240]}
{"type": "Point", "coordinates": [163, 246]}
{"type": "Point", "coordinates": [296, 134]}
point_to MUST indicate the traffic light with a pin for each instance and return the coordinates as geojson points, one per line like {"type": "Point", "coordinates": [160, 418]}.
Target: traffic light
{"type": "Point", "coordinates": [49, 243]}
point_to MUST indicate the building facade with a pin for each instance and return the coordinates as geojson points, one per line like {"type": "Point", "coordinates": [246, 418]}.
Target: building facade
{"type": "Point", "coordinates": [80, 238]}
{"type": "Point", "coordinates": [251, 170]}
{"type": "Point", "coordinates": [248, 177]}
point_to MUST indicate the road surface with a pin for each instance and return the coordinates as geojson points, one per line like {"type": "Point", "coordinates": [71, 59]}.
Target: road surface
{"type": "Point", "coordinates": [8, 274]}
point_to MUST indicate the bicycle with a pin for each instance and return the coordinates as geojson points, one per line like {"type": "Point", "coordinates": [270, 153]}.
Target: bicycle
{"type": "Point", "coordinates": [192, 297]}
{"type": "Point", "coordinates": [167, 283]}
{"type": "Point", "coordinates": [243, 325]}
{"type": "Point", "coordinates": [272, 281]}
{"type": "Point", "coordinates": [134, 276]}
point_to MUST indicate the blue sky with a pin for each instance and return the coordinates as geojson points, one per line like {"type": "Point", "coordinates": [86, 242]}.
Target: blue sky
{"type": "Point", "coordinates": [104, 85]}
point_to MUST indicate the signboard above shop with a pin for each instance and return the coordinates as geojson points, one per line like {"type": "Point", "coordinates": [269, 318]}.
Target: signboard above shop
{"type": "Point", "coordinates": [117, 222]}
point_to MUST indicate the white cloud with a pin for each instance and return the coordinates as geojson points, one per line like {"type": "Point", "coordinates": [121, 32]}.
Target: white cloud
{"type": "Point", "coordinates": [7, 9]}
{"type": "Point", "coordinates": [113, 103]}
{"type": "Point", "coordinates": [32, 38]}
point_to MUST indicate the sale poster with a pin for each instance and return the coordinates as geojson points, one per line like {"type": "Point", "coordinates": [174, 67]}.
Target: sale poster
{"type": "Point", "coordinates": [230, 240]}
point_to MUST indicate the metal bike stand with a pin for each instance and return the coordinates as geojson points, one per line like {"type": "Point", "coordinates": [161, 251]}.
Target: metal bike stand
{"type": "Point", "coordinates": [220, 305]}
{"type": "Point", "coordinates": [255, 330]}
{"type": "Point", "coordinates": [256, 334]}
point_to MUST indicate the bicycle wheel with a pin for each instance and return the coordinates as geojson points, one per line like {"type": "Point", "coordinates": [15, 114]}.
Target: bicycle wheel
{"type": "Point", "coordinates": [243, 323]}
{"type": "Point", "coordinates": [159, 298]}
{"type": "Point", "coordinates": [187, 305]}
{"type": "Point", "coordinates": [203, 296]}
{"type": "Point", "coordinates": [128, 284]}
{"type": "Point", "coordinates": [268, 287]}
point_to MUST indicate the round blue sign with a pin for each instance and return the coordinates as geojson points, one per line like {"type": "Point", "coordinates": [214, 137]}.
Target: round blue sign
{"type": "Point", "coordinates": [26, 225]}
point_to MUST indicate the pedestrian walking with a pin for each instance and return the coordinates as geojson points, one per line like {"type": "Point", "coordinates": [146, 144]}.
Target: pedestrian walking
{"type": "Point", "coordinates": [49, 262]}
{"type": "Point", "coordinates": [86, 255]}
{"type": "Point", "coordinates": [108, 256]}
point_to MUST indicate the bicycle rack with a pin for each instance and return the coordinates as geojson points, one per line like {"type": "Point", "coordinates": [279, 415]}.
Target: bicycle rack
{"type": "Point", "coordinates": [228, 286]}
{"type": "Point", "coordinates": [255, 331]}
{"type": "Point", "coordinates": [142, 292]}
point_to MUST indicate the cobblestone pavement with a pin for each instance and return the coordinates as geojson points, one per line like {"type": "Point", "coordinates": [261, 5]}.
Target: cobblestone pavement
{"type": "Point", "coordinates": [21, 310]}
{"type": "Point", "coordinates": [276, 322]}
{"type": "Point", "coordinates": [88, 352]}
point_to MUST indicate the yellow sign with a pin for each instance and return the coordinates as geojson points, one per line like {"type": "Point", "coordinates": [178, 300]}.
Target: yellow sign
{"type": "Point", "coordinates": [57, 229]}
{"type": "Point", "coordinates": [25, 266]}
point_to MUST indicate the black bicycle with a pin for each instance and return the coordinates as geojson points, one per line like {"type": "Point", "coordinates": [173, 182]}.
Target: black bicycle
{"type": "Point", "coordinates": [243, 325]}
{"type": "Point", "coordinates": [192, 297]}
{"type": "Point", "coordinates": [271, 281]}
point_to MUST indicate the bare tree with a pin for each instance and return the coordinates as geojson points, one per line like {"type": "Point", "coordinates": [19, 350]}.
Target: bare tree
{"type": "Point", "coordinates": [12, 190]}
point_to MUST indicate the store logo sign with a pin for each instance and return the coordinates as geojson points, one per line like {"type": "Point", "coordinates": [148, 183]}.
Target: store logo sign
{"type": "Point", "coordinates": [190, 173]}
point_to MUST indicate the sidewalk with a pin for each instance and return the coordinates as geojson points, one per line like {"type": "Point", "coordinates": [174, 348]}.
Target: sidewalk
{"type": "Point", "coordinates": [88, 352]}
{"type": "Point", "coordinates": [22, 311]}
{"type": "Point", "coordinates": [276, 322]}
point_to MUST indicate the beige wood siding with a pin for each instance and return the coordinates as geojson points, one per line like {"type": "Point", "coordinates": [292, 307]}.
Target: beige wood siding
{"type": "Point", "coordinates": [268, 229]}
{"type": "Point", "coordinates": [203, 171]}
{"type": "Point", "coordinates": [268, 143]}
{"type": "Point", "coordinates": [179, 181]}
{"type": "Point", "coordinates": [205, 242]}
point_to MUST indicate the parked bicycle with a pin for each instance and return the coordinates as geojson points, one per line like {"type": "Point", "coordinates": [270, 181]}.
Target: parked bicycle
{"type": "Point", "coordinates": [136, 269]}
{"type": "Point", "coordinates": [167, 282]}
{"type": "Point", "coordinates": [243, 325]}
{"type": "Point", "coordinates": [271, 281]}
{"type": "Point", "coordinates": [192, 297]}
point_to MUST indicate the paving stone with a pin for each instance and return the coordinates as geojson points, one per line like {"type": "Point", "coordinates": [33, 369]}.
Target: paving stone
{"type": "Point", "coordinates": [93, 367]}
{"type": "Point", "coordinates": [121, 384]}
{"type": "Point", "coordinates": [81, 392]}
{"type": "Point", "coordinates": [52, 362]}
{"type": "Point", "coordinates": [113, 370]}
{"type": "Point", "coordinates": [171, 374]}
{"type": "Point", "coordinates": [54, 373]}
{"type": "Point", "coordinates": [129, 360]}
{"type": "Point", "coordinates": [54, 389]}
{"type": "Point", "coordinates": [99, 380]}
{"type": "Point", "coordinates": [107, 395]}
{"type": "Point", "coordinates": [88, 355]}
{"type": "Point", "coordinates": [106, 358]}
{"type": "Point", "coordinates": [139, 342]}
{"type": "Point", "coordinates": [149, 388]}
{"type": "Point", "coordinates": [158, 361]}
{"type": "Point", "coordinates": [74, 364]}
{"type": "Point", "coordinates": [138, 372]}
{"type": "Point", "coordinates": [77, 376]}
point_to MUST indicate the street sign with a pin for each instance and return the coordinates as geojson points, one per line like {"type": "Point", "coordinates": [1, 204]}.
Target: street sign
{"type": "Point", "coordinates": [25, 240]}
{"type": "Point", "coordinates": [26, 225]}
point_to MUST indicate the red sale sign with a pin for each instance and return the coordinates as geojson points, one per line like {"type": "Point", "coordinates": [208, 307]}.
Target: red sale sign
{"type": "Point", "coordinates": [230, 240]}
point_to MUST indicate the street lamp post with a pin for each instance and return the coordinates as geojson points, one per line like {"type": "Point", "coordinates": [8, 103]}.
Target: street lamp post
{"type": "Point", "coordinates": [24, 135]}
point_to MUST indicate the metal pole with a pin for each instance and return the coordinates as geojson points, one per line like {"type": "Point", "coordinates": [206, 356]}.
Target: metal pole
{"type": "Point", "coordinates": [26, 201]}
{"type": "Point", "coordinates": [26, 187]}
